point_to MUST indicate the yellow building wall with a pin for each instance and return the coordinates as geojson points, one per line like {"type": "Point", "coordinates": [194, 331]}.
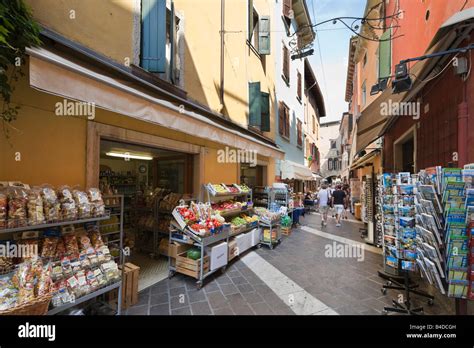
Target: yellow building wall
{"type": "Point", "coordinates": [105, 26]}
{"type": "Point", "coordinates": [242, 64]}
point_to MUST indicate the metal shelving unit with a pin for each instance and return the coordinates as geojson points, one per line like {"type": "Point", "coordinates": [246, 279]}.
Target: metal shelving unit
{"type": "Point", "coordinates": [271, 225]}
{"type": "Point", "coordinates": [82, 299]}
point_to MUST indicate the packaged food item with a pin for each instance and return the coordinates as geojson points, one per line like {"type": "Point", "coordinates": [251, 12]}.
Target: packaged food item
{"type": "Point", "coordinates": [76, 265]}
{"type": "Point", "coordinates": [48, 249]}
{"type": "Point", "coordinates": [92, 256]}
{"type": "Point", "coordinates": [3, 209]}
{"type": "Point", "coordinates": [83, 286]}
{"type": "Point", "coordinates": [73, 286]}
{"type": "Point", "coordinates": [29, 248]}
{"type": "Point", "coordinates": [85, 263]}
{"type": "Point", "coordinates": [35, 209]}
{"type": "Point", "coordinates": [57, 270]}
{"type": "Point", "coordinates": [95, 236]}
{"type": "Point", "coordinates": [111, 271]}
{"type": "Point", "coordinates": [45, 281]}
{"type": "Point", "coordinates": [60, 249]}
{"type": "Point", "coordinates": [91, 280]}
{"type": "Point", "coordinates": [70, 243]}
{"type": "Point", "coordinates": [67, 203]}
{"type": "Point", "coordinates": [66, 266]}
{"type": "Point", "coordinates": [17, 199]}
{"type": "Point", "coordinates": [6, 264]}
{"type": "Point", "coordinates": [101, 280]}
{"type": "Point", "coordinates": [51, 204]}
{"type": "Point", "coordinates": [83, 241]}
{"type": "Point", "coordinates": [82, 203]}
{"type": "Point", "coordinates": [8, 293]}
{"type": "Point", "coordinates": [25, 282]}
{"type": "Point", "coordinates": [97, 203]}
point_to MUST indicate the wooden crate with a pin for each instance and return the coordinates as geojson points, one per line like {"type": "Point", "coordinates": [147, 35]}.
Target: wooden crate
{"type": "Point", "coordinates": [129, 287]}
{"type": "Point", "coordinates": [191, 267]}
{"type": "Point", "coordinates": [286, 231]}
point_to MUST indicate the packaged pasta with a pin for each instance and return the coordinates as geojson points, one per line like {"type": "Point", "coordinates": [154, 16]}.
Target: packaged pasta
{"type": "Point", "coordinates": [35, 209]}
{"type": "Point", "coordinates": [97, 203]}
{"type": "Point", "coordinates": [25, 282]}
{"type": "Point", "coordinates": [48, 249]}
{"type": "Point", "coordinates": [66, 266]}
{"type": "Point", "coordinates": [60, 249]}
{"type": "Point", "coordinates": [3, 209]}
{"type": "Point", "coordinates": [67, 203]}
{"type": "Point", "coordinates": [83, 286]}
{"type": "Point", "coordinates": [70, 243]}
{"type": "Point", "coordinates": [51, 204]}
{"type": "Point", "coordinates": [101, 280]}
{"type": "Point", "coordinates": [73, 286]}
{"type": "Point", "coordinates": [17, 199]}
{"type": "Point", "coordinates": [82, 203]}
{"type": "Point", "coordinates": [111, 271]}
{"type": "Point", "coordinates": [45, 281]}
{"type": "Point", "coordinates": [85, 263]}
{"type": "Point", "coordinates": [83, 241]}
{"type": "Point", "coordinates": [8, 293]}
{"type": "Point", "coordinates": [76, 265]}
{"type": "Point", "coordinates": [92, 280]}
{"type": "Point", "coordinates": [95, 236]}
{"type": "Point", "coordinates": [57, 270]}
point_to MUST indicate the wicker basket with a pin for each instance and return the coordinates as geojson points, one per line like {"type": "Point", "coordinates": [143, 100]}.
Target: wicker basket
{"type": "Point", "coordinates": [39, 306]}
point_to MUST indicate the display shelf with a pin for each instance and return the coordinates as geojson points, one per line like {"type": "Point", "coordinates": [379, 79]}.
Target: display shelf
{"type": "Point", "coordinates": [87, 297]}
{"type": "Point", "coordinates": [54, 224]}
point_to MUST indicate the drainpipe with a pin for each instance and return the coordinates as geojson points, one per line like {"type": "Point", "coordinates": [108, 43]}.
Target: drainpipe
{"type": "Point", "coordinates": [221, 95]}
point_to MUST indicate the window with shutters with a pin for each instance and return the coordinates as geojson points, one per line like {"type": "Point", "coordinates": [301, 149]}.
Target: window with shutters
{"type": "Point", "coordinates": [298, 87]}
{"type": "Point", "coordinates": [284, 121]}
{"type": "Point", "coordinates": [287, 11]}
{"type": "Point", "coordinates": [314, 124]}
{"type": "Point", "coordinates": [258, 30]}
{"type": "Point", "coordinates": [286, 64]}
{"type": "Point", "coordinates": [159, 52]}
{"type": "Point", "coordinates": [330, 164]}
{"type": "Point", "coordinates": [385, 55]}
{"type": "Point", "coordinates": [259, 108]}
{"type": "Point", "coordinates": [299, 133]}
{"type": "Point", "coordinates": [363, 93]}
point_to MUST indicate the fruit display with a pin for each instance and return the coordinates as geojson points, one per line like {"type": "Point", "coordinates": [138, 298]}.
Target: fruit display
{"type": "Point", "coordinates": [243, 188]}
{"type": "Point", "coordinates": [218, 189]}
{"type": "Point", "coordinates": [249, 219]}
{"type": "Point", "coordinates": [232, 189]}
{"type": "Point", "coordinates": [238, 221]}
{"type": "Point", "coordinates": [186, 214]}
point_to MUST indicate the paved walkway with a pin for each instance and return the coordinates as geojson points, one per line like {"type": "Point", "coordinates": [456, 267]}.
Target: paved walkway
{"type": "Point", "coordinates": [297, 277]}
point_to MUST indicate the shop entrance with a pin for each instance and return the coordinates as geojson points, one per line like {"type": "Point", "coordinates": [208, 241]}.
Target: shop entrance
{"type": "Point", "coordinates": [405, 152]}
{"type": "Point", "coordinates": [255, 176]}
{"type": "Point", "coordinates": [152, 181]}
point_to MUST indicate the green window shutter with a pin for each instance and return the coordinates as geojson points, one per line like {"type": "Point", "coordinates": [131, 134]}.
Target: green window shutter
{"type": "Point", "coordinates": [264, 35]}
{"type": "Point", "coordinates": [153, 55]}
{"type": "Point", "coordinates": [265, 105]}
{"type": "Point", "coordinates": [385, 54]}
{"type": "Point", "coordinates": [255, 107]}
{"type": "Point", "coordinates": [172, 41]}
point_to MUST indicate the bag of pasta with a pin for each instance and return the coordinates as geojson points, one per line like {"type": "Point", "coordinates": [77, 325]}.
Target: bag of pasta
{"type": "Point", "coordinates": [97, 203]}
{"type": "Point", "coordinates": [82, 203]}
{"type": "Point", "coordinates": [51, 204]}
{"type": "Point", "coordinates": [35, 210]}
{"type": "Point", "coordinates": [3, 209]}
{"type": "Point", "coordinates": [44, 282]}
{"type": "Point", "coordinates": [17, 200]}
{"type": "Point", "coordinates": [68, 205]}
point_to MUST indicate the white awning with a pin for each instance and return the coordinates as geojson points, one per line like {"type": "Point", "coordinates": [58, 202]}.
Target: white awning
{"type": "Point", "coordinates": [293, 170]}
{"type": "Point", "coordinates": [54, 73]}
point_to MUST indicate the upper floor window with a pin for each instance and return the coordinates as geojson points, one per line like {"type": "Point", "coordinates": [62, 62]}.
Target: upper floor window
{"type": "Point", "coordinates": [284, 120]}
{"type": "Point", "coordinates": [287, 11]}
{"type": "Point", "coordinates": [333, 144]}
{"type": "Point", "coordinates": [299, 133]}
{"type": "Point", "coordinates": [298, 87]}
{"type": "Point", "coordinates": [158, 38]}
{"type": "Point", "coordinates": [363, 93]}
{"type": "Point", "coordinates": [314, 125]}
{"type": "Point", "coordinates": [286, 64]}
{"type": "Point", "coordinates": [258, 30]}
{"type": "Point", "coordinates": [259, 108]}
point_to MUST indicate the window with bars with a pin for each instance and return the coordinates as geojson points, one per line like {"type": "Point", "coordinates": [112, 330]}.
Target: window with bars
{"type": "Point", "coordinates": [284, 120]}
{"type": "Point", "coordinates": [286, 64]}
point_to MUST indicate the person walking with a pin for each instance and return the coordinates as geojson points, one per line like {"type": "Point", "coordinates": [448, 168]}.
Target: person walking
{"type": "Point", "coordinates": [338, 199]}
{"type": "Point", "coordinates": [324, 198]}
{"type": "Point", "coordinates": [347, 200]}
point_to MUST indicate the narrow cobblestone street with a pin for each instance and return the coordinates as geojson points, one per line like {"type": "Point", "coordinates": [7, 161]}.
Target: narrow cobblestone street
{"type": "Point", "coordinates": [294, 278]}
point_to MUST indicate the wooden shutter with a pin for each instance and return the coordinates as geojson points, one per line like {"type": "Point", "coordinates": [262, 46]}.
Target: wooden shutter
{"type": "Point", "coordinates": [286, 64]}
{"type": "Point", "coordinates": [264, 35]}
{"type": "Point", "coordinates": [281, 119]}
{"type": "Point", "coordinates": [265, 109]}
{"type": "Point", "coordinates": [299, 133]}
{"type": "Point", "coordinates": [298, 88]}
{"type": "Point", "coordinates": [255, 107]}
{"type": "Point", "coordinates": [287, 122]}
{"type": "Point", "coordinates": [385, 54]}
{"type": "Point", "coordinates": [250, 19]}
{"type": "Point", "coordinates": [153, 55]}
{"type": "Point", "coordinates": [287, 8]}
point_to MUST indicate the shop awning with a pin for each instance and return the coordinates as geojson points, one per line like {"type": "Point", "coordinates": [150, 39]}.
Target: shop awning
{"type": "Point", "coordinates": [292, 170]}
{"type": "Point", "coordinates": [371, 125]}
{"type": "Point", "coordinates": [361, 162]}
{"type": "Point", "coordinates": [54, 72]}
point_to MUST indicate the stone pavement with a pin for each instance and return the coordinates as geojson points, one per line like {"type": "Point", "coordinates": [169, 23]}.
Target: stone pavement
{"type": "Point", "coordinates": [294, 278]}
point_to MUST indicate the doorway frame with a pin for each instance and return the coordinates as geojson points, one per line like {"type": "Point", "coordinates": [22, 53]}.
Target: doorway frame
{"type": "Point", "coordinates": [99, 131]}
{"type": "Point", "coordinates": [397, 149]}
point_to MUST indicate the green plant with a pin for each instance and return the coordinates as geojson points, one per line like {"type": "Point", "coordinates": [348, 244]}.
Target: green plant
{"type": "Point", "coordinates": [18, 30]}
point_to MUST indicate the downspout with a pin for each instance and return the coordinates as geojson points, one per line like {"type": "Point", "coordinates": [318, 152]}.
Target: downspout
{"type": "Point", "coordinates": [221, 92]}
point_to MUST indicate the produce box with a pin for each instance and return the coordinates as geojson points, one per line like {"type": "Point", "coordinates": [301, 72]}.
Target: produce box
{"type": "Point", "coordinates": [232, 247]}
{"type": "Point", "coordinates": [175, 249]}
{"type": "Point", "coordinates": [286, 231]}
{"type": "Point", "coordinates": [191, 267]}
{"type": "Point", "coordinates": [129, 287]}
{"type": "Point", "coordinates": [218, 255]}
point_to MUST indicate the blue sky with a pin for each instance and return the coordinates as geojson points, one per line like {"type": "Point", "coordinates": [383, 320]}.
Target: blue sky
{"type": "Point", "coordinates": [333, 45]}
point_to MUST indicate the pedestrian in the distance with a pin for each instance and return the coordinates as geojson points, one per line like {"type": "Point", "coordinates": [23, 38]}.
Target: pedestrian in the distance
{"type": "Point", "coordinates": [338, 198]}
{"type": "Point", "coordinates": [347, 200]}
{"type": "Point", "coordinates": [324, 199]}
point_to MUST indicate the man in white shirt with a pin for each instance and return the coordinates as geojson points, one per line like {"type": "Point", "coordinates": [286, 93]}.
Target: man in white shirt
{"type": "Point", "coordinates": [324, 197]}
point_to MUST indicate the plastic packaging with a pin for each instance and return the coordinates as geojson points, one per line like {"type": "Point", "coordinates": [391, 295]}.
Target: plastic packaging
{"type": "Point", "coordinates": [82, 203]}
{"type": "Point", "coordinates": [67, 203]}
{"type": "Point", "coordinates": [35, 209]}
{"type": "Point", "coordinates": [17, 199]}
{"type": "Point", "coordinates": [3, 209]}
{"type": "Point", "coordinates": [51, 204]}
{"type": "Point", "coordinates": [70, 243]}
{"type": "Point", "coordinates": [97, 203]}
